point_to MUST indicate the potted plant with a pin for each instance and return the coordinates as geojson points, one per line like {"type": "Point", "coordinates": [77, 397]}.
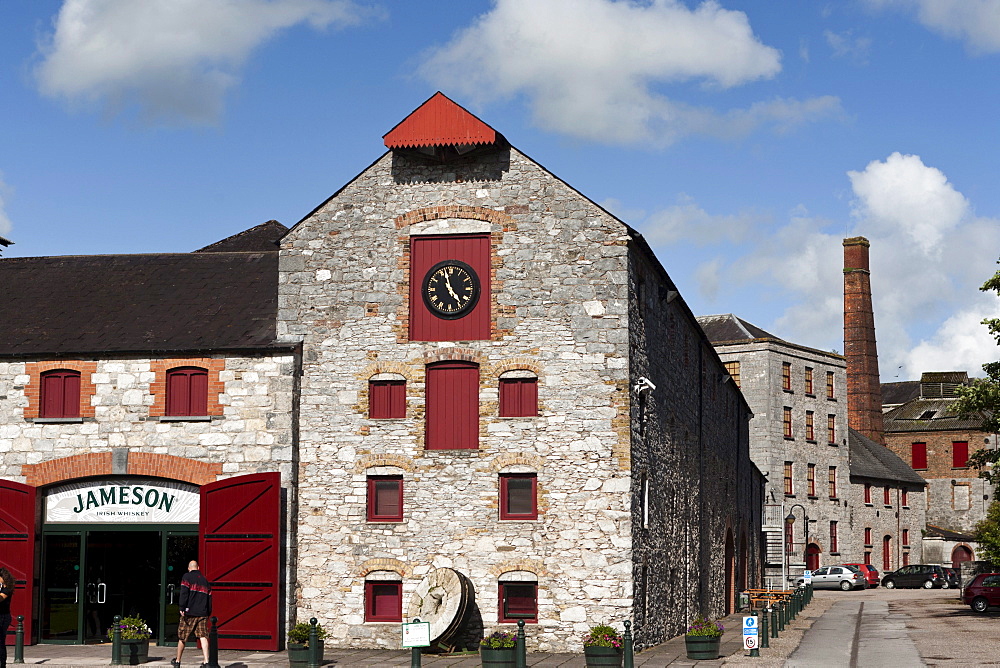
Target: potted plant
{"type": "Point", "coordinates": [498, 650]}
{"type": "Point", "coordinates": [134, 633]}
{"type": "Point", "coordinates": [702, 638]}
{"type": "Point", "coordinates": [603, 646]}
{"type": "Point", "coordinates": [298, 643]}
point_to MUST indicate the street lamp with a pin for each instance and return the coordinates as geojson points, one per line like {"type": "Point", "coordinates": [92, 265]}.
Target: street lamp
{"type": "Point", "coordinates": [790, 521]}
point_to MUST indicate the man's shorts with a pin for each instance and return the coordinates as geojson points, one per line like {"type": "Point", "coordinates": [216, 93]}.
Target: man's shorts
{"type": "Point", "coordinates": [188, 624]}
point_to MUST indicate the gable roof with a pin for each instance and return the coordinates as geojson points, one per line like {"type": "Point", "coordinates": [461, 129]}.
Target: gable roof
{"type": "Point", "coordinates": [894, 394]}
{"type": "Point", "coordinates": [927, 415]}
{"type": "Point", "coordinates": [726, 328]}
{"type": "Point", "coordinates": [261, 238]}
{"type": "Point", "coordinates": [155, 303]}
{"type": "Point", "coordinates": [439, 122]}
{"type": "Point", "coordinates": [869, 459]}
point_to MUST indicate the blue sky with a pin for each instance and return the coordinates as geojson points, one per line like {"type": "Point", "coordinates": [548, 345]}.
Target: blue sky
{"type": "Point", "coordinates": [745, 139]}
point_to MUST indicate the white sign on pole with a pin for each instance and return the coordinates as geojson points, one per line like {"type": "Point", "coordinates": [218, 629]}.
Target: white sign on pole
{"type": "Point", "coordinates": [750, 632]}
{"type": "Point", "coordinates": [417, 634]}
{"type": "Point", "coordinates": [807, 576]}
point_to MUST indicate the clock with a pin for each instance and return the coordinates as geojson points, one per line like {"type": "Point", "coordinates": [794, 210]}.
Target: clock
{"type": "Point", "coordinates": [451, 289]}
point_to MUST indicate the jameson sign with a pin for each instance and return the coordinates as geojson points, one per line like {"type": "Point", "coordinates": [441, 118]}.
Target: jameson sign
{"type": "Point", "coordinates": [129, 500]}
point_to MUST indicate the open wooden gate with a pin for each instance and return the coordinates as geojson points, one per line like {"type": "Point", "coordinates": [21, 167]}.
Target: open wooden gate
{"type": "Point", "coordinates": [17, 549]}
{"type": "Point", "coordinates": [240, 554]}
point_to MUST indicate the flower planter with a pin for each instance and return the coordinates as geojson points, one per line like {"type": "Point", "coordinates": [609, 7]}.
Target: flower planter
{"type": "Point", "coordinates": [702, 647]}
{"type": "Point", "coordinates": [298, 654]}
{"type": "Point", "coordinates": [498, 657]}
{"type": "Point", "coordinates": [135, 652]}
{"type": "Point", "coordinates": [602, 656]}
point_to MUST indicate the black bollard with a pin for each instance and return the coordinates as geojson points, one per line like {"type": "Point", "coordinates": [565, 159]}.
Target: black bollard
{"type": "Point", "coordinates": [763, 629]}
{"type": "Point", "coordinates": [415, 651]}
{"type": "Point", "coordinates": [19, 640]}
{"type": "Point", "coordinates": [755, 650]}
{"type": "Point", "coordinates": [116, 641]}
{"type": "Point", "coordinates": [774, 622]}
{"type": "Point", "coordinates": [520, 650]}
{"type": "Point", "coordinates": [628, 646]}
{"type": "Point", "coordinates": [315, 649]}
{"type": "Point", "coordinates": [213, 643]}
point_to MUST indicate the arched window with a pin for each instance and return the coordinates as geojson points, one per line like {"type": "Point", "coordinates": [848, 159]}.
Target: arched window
{"type": "Point", "coordinates": [60, 394]}
{"type": "Point", "coordinates": [518, 597]}
{"type": "Point", "coordinates": [518, 394]}
{"type": "Point", "coordinates": [187, 391]}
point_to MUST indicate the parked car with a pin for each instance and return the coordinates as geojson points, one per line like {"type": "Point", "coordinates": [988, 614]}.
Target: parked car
{"type": "Point", "coordinates": [982, 592]}
{"type": "Point", "coordinates": [870, 572]}
{"type": "Point", "coordinates": [845, 578]}
{"type": "Point", "coordinates": [952, 578]}
{"type": "Point", "coordinates": [916, 575]}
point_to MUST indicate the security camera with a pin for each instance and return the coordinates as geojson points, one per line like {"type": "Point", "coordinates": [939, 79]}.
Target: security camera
{"type": "Point", "coordinates": [644, 385]}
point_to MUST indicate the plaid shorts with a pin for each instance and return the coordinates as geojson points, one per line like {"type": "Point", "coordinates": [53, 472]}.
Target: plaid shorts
{"type": "Point", "coordinates": [188, 624]}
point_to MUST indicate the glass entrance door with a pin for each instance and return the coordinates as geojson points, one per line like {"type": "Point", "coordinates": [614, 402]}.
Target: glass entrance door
{"type": "Point", "coordinates": [122, 578]}
{"type": "Point", "coordinates": [179, 549]}
{"type": "Point", "coordinates": [60, 617]}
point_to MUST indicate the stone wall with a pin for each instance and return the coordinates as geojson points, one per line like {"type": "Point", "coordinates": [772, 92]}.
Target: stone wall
{"type": "Point", "coordinates": [886, 520]}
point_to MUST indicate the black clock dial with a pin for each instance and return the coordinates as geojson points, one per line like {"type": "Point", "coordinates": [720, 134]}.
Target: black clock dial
{"type": "Point", "coordinates": [451, 289]}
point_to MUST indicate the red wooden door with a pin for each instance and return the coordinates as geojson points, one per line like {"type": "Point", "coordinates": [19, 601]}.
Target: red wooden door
{"type": "Point", "coordinates": [452, 411]}
{"type": "Point", "coordinates": [17, 549]}
{"type": "Point", "coordinates": [240, 554]}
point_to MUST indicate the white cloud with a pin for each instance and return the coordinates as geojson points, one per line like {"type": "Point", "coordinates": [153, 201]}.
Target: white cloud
{"type": "Point", "coordinates": [590, 68]}
{"type": "Point", "coordinates": [961, 343]}
{"type": "Point", "coordinates": [846, 45]}
{"type": "Point", "coordinates": [686, 221]}
{"type": "Point", "coordinates": [174, 59]}
{"type": "Point", "coordinates": [976, 22]}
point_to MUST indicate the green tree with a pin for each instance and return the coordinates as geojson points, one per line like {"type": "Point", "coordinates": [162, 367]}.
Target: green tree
{"type": "Point", "coordinates": [988, 534]}
{"type": "Point", "coordinates": [981, 399]}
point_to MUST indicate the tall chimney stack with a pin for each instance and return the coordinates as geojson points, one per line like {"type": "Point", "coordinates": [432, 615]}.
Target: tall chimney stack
{"type": "Point", "coordinates": [864, 391]}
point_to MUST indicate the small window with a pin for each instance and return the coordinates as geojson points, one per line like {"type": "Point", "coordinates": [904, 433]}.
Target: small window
{"type": "Point", "coordinates": [383, 601]}
{"type": "Point", "coordinates": [829, 385]}
{"type": "Point", "coordinates": [904, 501]}
{"type": "Point", "coordinates": [918, 455]}
{"type": "Point", "coordinates": [833, 536]}
{"type": "Point", "coordinates": [809, 380]}
{"type": "Point", "coordinates": [906, 536]}
{"type": "Point", "coordinates": [810, 428]}
{"type": "Point", "coordinates": [959, 454]}
{"type": "Point", "coordinates": [831, 429]}
{"type": "Point", "coordinates": [733, 369]}
{"type": "Point", "coordinates": [868, 536]}
{"type": "Point", "coordinates": [60, 394]}
{"type": "Point", "coordinates": [811, 479]}
{"type": "Point", "coordinates": [868, 557]}
{"type": "Point", "coordinates": [644, 500]}
{"type": "Point", "coordinates": [385, 498]}
{"type": "Point", "coordinates": [788, 479]}
{"type": "Point", "coordinates": [518, 496]}
{"type": "Point", "coordinates": [386, 399]}
{"type": "Point", "coordinates": [786, 422]}
{"type": "Point", "coordinates": [786, 376]}
{"type": "Point", "coordinates": [187, 391]}
{"type": "Point", "coordinates": [868, 493]}
{"type": "Point", "coordinates": [927, 415]}
{"type": "Point", "coordinates": [832, 482]}
{"type": "Point", "coordinates": [518, 600]}
{"type": "Point", "coordinates": [518, 397]}
{"type": "Point", "coordinates": [886, 499]}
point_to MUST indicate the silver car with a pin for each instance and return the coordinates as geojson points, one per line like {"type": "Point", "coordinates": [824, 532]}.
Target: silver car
{"type": "Point", "coordinates": [845, 578]}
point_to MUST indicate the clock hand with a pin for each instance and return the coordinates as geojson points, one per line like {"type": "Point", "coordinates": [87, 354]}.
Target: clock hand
{"type": "Point", "coordinates": [447, 284]}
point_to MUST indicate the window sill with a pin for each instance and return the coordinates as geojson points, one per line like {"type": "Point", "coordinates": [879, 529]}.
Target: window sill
{"type": "Point", "coordinates": [811, 440]}
{"type": "Point", "coordinates": [810, 395]}
{"type": "Point", "coordinates": [869, 545]}
{"type": "Point", "coordinates": [831, 398]}
{"type": "Point", "coordinates": [889, 507]}
{"type": "Point", "coordinates": [371, 522]}
{"type": "Point", "coordinates": [834, 498]}
{"type": "Point", "coordinates": [787, 391]}
{"type": "Point", "coordinates": [906, 507]}
{"type": "Point", "coordinates": [959, 468]}
{"type": "Point", "coordinates": [387, 419]}
{"type": "Point", "coordinates": [185, 418]}
{"type": "Point", "coordinates": [524, 519]}
{"type": "Point", "coordinates": [789, 438]}
{"type": "Point", "coordinates": [383, 621]}
{"type": "Point", "coordinates": [789, 496]}
{"type": "Point", "coordinates": [835, 554]}
{"type": "Point", "coordinates": [75, 420]}
{"type": "Point", "coordinates": [870, 505]}
{"type": "Point", "coordinates": [812, 497]}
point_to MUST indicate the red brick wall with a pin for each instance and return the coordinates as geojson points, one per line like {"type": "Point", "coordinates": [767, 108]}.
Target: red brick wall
{"type": "Point", "coordinates": [938, 450]}
{"type": "Point", "coordinates": [864, 393]}
{"type": "Point", "coordinates": [33, 390]}
{"type": "Point", "coordinates": [139, 463]}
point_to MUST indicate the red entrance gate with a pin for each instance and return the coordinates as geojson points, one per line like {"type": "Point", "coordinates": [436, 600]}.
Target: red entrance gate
{"type": "Point", "coordinates": [239, 553]}
{"type": "Point", "coordinates": [17, 549]}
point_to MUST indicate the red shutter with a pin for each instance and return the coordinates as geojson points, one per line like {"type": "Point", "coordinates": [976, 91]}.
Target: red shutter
{"type": "Point", "coordinates": [187, 391]}
{"type": "Point", "coordinates": [425, 252]}
{"type": "Point", "coordinates": [919, 455]}
{"type": "Point", "coordinates": [518, 601]}
{"type": "Point", "coordinates": [17, 549]}
{"type": "Point", "coordinates": [452, 406]}
{"type": "Point", "coordinates": [198, 393]}
{"type": "Point", "coordinates": [240, 545]}
{"type": "Point", "coordinates": [383, 602]}
{"type": "Point", "coordinates": [386, 399]}
{"type": "Point", "coordinates": [959, 454]}
{"type": "Point", "coordinates": [518, 397]}
{"type": "Point", "coordinates": [60, 394]}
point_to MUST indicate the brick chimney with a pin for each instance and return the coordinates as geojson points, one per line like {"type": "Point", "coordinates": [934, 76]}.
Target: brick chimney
{"type": "Point", "coordinates": [864, 391]}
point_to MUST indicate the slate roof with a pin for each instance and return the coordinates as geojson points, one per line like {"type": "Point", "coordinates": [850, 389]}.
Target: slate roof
{"type": "Point", "coordinates": [927, 415]}
{"type": "Point", "coordinates": [152, 303]}
{"type": "Point", "coordinates": [894, 394]}
{"type": "Point", "coordinates": [260, 239]}
{"type": "Point", "coordinates": [872, 460]}
{"type": "Point", "coordinates": [728, 328]}
{"type": "Point", "coordinates": [948, 534]}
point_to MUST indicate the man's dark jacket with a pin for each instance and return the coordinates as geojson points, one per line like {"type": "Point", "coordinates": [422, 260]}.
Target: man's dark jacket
{"type": "Point", "coordinates": [196, 595]}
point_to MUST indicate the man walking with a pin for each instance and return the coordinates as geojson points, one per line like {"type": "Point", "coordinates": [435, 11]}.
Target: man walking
{"type": "Point", "coordinates": [195, 607]}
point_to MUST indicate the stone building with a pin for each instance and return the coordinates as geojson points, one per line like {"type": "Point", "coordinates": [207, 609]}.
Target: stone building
{"type": "Point", "coordinates": [922, 427]}
{"type": "Point", "coordinates": [457, 389]}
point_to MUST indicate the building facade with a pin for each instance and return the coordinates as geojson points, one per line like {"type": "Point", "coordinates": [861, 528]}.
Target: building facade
{"type": "Point", "coordinates": [457, 390]}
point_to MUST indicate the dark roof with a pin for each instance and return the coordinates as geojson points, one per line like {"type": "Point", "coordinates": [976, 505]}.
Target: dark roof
{"type": "Point", "coordinates": [131, 303]}
{"type": "Point", "coordinates": [260, 239]}
{"type": "Point", "coordinates": [727, 328]}
{"type": "Point", "coordinates": [927, 415]}
{"type": "Point", "coordinates": [872, 460]}
{"type": "Point", "coordinates": [948, 534]}
{"type": "Point", "coordinates": [900, 392]}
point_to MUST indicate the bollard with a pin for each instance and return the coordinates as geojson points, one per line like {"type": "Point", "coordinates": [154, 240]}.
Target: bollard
{"type": "Point", "coordinates": [755, 650]}
{"type": "Point", "coordinates": [782, 615]}
{"type": "Point", "coordinates": [520, 650]}
{"type": "Point", "coordinates": [19, 640]}
{"type": "Point", "coordinates": [116, 641]}
{"type": "Point", "coordinates": [315, 649]}
{"type": "Point", "coordinates": [213, 643]}
{"type": "Point", "coordinates": [763, 630]}
{"type": "Point", "coordinates": [774, 622]}
{"type": "Point", "coordinates": [415, 651]}
{"type": "Point", "coordinates": [628, 646]}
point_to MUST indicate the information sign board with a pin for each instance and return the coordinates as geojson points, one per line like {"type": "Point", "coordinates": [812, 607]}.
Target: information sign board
{"type": "Point", "coordinates": [417, 634]}
{"type": "Point", "coordinates": [750, 632]}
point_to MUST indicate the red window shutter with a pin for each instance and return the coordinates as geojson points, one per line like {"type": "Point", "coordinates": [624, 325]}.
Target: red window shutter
{"type": "Point", "coordinates": [60, 394]}
{"type": "Point", "coordinates": [918, 455]}
{"type": "Point", "coordinates": [425, 252]}
{"type": "Point", "coordinates": [518, 496]}
{"type": "Point", "coordinates": [383, 601]}
{"type": "Point", "coordinates": [386, 399]}
{"type": "Point", "coordinates": [518, 601]}
{"type": "Point", "coordinates": [385, 499]}
{"type": "Point", "coordinates": [868, 493]}
{"type": "Point", "coordinates": [868, 536]}
{"type": "Point", "coordinates": [960, 454]}
{"type": "Point", "coordinates": [518, 397]}
{"type": "Point", "coordinates": [885, 496]}
{"type": "Point", "coordinates": [452, 411]}
{"type": "Point", "coordinates": [187, 391]}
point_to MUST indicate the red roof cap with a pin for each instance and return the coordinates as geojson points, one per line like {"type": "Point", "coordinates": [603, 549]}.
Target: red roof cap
{"type": "Point", "coordinates": [439, 122]}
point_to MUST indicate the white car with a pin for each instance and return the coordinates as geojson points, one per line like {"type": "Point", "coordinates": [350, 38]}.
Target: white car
{"type": "Point", "coordinates": [845, 578]}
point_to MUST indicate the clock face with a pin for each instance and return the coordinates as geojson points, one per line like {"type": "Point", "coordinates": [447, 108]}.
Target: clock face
{"type": "Point", "coordinates": [451, 289]}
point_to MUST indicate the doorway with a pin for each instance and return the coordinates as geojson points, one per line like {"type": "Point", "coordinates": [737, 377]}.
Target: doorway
{"type": "Point", "coordinates": [90, 575]}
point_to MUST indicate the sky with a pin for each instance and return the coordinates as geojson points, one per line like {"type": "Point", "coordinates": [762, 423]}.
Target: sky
{"type": "Point", "coordinates": [744, 139]}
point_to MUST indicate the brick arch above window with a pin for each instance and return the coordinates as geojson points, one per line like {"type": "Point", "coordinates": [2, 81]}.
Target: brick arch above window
{"type": "Point", "coordinates": [377, 461]}
{"type": "Point", "coordinates": [453, 354]}
{"type": "Point", "coordinates": [33, 388]}
{"type": "Point", "coordinates": [384, 564]}
{"type": "Point", "coordinates": [529, 565]}
{"type": "Point", "coordinates": [510, 461]}
{"type": "Point", "coordinates": [381, 367]}
{"type": "Point", "coordinates": [512, 366]}
{"type": "Point", "coordinates": [139, 463]}
{"type": "Point", "coordinates": [158, 388]}
{"type": "Point", "coordinates": [457, 211]}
